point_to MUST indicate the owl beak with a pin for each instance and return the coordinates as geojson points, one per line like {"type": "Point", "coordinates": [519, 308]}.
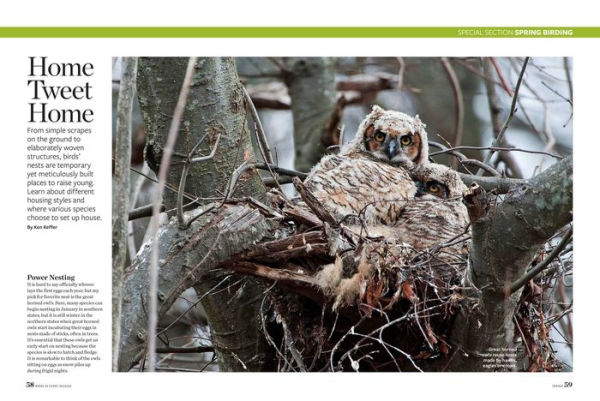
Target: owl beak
{"type": "Point", "coordinates": [391, 149]}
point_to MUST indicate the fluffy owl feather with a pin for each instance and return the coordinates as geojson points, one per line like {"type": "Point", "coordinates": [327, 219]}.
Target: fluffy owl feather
{"type": "Point", "coordinates": [391, 137]}
{"type": "Point", "coordinates": [360, 191]}
{"type": "Point", "coordinates": [436, 213]}
{"type": "Point", "coordinates": [382, 182]}
{"type": "Point", "coordinates": [433, 216]}
{"type": "Point", "coordinates": [367, 184]}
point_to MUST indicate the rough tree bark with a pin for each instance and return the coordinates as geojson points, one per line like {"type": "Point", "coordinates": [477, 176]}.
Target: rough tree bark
{"type": "Point", "coordinates": [215, 109]}
{"type": "Point", "coordinates": [311, 86]}
{"type": "Point", "coordinates": [121, 199]}
{"type": "Point", "coordinates": [504, 242]}
{"type": "Point", "coordinates": [188, 257]}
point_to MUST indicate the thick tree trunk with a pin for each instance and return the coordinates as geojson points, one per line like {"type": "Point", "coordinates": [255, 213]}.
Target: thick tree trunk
{"type": "Point", "coordinates": [215, 109]}
{"type": "Point", "coordinates": [504, 243]}
{"type": "Point", "coordinates": [186, 257]}
{"type": "Point", "coordinates": [121, 198]}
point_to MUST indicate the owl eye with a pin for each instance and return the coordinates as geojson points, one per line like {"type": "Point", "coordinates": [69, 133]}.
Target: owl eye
{"type": "Point", "coordinates": [437, 189]}
{"type": "Point", "coordinates": [379, 136]}
{"type": "Point", "coordinates": [406, 140]}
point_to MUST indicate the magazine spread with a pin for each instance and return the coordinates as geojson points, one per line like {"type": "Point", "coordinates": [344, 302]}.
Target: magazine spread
{"type": "Point", "coordinates": [198, 199]}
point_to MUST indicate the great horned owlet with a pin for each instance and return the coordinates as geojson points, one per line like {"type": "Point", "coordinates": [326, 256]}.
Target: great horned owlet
{"type": "Point", "coordinates": [368, 182]}
{"type": "Point", "coordinates": [433, 217]}
{"type": "Point", "coordinates": [436, 214]}
{"type": "Point", "coordinates": [391, 137]}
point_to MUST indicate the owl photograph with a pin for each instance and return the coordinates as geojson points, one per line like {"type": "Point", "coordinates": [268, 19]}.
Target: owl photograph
{"type": "Point", "coordinates": [349, 214]}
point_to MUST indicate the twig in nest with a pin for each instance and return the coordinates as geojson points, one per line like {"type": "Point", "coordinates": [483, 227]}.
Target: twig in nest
{"type": "Point", "coordinates": [286, 248]}
{"type": "Point", "coordinates": [281, 170]}
{"type": "Point", "coordinates": [313, 203]}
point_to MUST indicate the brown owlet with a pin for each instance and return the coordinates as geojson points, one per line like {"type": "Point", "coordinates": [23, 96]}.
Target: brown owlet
{"type": "Point", "coordinates": [436, 214]}
{"type": "Point", "coordinates": [434, 217]}
{"type": "Point", "coordinates": [391, 137]}
{"type": "Point", "coordinates": [368, 183]}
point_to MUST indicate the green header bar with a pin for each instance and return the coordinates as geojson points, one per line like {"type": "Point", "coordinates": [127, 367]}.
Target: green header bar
{"type": "Point", "coordinates": [299, 32]}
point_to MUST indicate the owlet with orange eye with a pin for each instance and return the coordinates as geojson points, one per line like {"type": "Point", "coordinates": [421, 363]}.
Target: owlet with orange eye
{"type": "Point", "coordinates": [434, 180]}
{"type": "Point", "coordinates": [368, 183]}
{"type": "Point", "coordinates": [437, 213]}
{"type": "Point", "coordinates": [391, 137]}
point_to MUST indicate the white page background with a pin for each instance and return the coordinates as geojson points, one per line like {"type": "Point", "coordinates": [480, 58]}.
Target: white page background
{"type": "Point", "coordinates": [85, 249]}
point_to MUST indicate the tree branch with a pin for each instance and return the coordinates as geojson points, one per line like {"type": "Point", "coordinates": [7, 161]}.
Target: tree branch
{"type": "Point", "coordinates": [495, 110]}
{"type": "Point", "coordinates": [498, 184]}
{"type": "Point", "coordinates": [504, 243]}
{"type": "Point", "coordinates": [121, 199]}
{"type": "Point", "coordinates": [218, 112]}
{"type": "Point", "coordinates": [189, 255]}
{"type": "Point", "coordinates": [458, 104]}
{"type": "Point", "coordinates": [543, 264]}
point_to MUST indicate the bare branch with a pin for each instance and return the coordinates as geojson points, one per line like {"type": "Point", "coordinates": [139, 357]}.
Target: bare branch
{"type": "Point", "coordinates": [496, 149]}
{"type": "Point", "coordinates": [261, 137]}
{"type": "Point", "coordinates": [568, 76]}
{"type": "Point", "coordinates": [543, 264]}
{"type": "Point", "coordinates": [458, 104]}
{"type": "Point", "coordinates": [209, 156]}
{"type": "Point", "coordinates": [184, 173]}
{"type": "Point", "coordinates": [557, 93]}
{"type": "Point", "coordinates": [184, 350]}
{"type": "Point", "coordinates": [498, 140]}
{"type": "Point", "coordinates": [501, 76]}
{"type": "Point", "coordinates": [143, 211]}
{"type": "Point", "coordinates": [281, 170]}
{"type": "Point", "coordinates": [499, 185]}
{"type": "Point", "coordinates": [465, 160]}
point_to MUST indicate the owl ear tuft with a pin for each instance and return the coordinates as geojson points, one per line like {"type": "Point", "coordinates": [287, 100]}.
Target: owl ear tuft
{"type": "Point", "coordinates": [376, 110]}
{"type": "Point", "coordinates": [418, 122]}
{"type": "Point", "coordinates": [375, 113]}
